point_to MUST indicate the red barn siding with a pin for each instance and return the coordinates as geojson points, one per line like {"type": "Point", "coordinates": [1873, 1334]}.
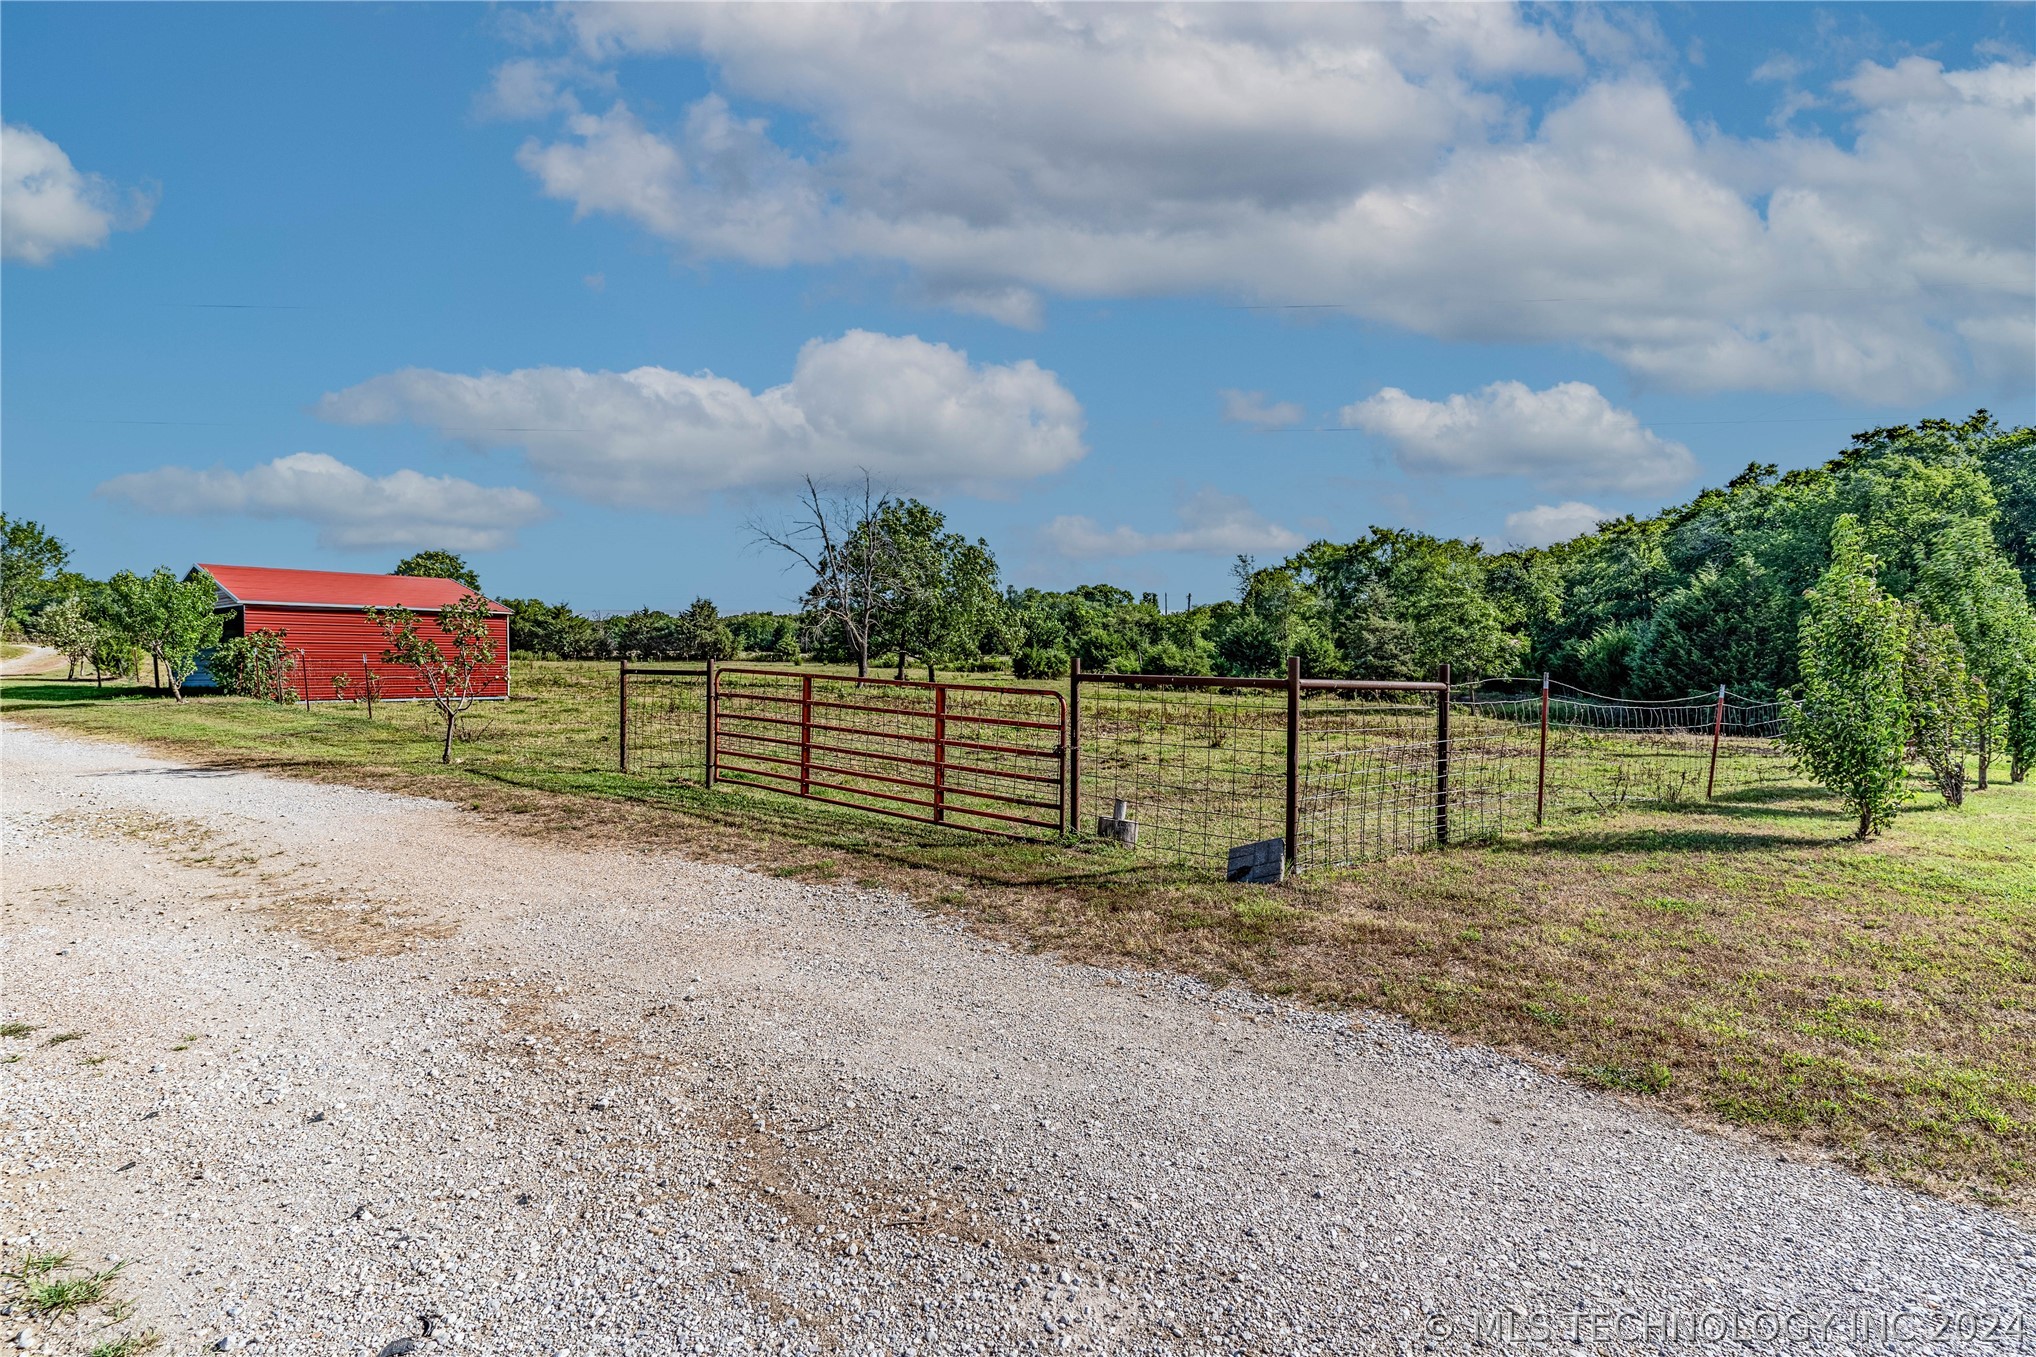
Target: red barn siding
{"type": "Point", "coordinates": [338, 640]}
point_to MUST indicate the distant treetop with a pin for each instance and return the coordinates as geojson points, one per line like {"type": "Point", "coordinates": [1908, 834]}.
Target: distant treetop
{"type": "Point", "coordinates": [439, 565]}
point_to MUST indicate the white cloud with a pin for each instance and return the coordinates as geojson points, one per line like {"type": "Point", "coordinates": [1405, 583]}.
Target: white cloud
{"type": "Point", "coordinates": [1546, 523]}
{"type": "Point", "coordinates": [1211, 523]}
{"type": "Point", "coordinates": [350, 508]}
{"type": "Point", "coordinates": [1251, 407]}
{"type": "Point", "coordinates": [1566, 436]}
{"type": "Point", "coordinates": [913, 415]}
{"type": "Point", "coordinates": [1367, 156]}
{"type": "Point", "coordinates": [48, 206]}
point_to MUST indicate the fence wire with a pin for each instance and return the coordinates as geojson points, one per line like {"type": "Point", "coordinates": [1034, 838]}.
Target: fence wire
{"type": "Point", "coordinates": [1606, 753]}
{"type": "Point", "coordinates": [1203, 770]}
{"type": "Point", "coordinates": [1368, 778]}
{"type": "Point", "coordinates": [1200, 770]}
{"type": "Point", "coordinates": [667, 715]}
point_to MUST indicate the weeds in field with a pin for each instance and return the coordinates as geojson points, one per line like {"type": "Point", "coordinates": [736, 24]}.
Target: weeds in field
{"type": "Point", "coordinates": [17, 1029]}
{"type": "Point", "coordinates": [61, 1037]}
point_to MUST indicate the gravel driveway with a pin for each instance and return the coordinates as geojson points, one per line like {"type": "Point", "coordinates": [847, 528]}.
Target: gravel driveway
{"type": "Point", "coordinates": [350, 1058]}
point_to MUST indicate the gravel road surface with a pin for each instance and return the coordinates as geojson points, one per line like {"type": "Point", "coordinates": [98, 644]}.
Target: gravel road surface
{"type": "Point", "coordinates": [349, 1059]}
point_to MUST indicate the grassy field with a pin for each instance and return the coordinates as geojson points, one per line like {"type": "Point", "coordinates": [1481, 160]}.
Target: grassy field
{"type": "Point", "coordinates": [1739, 960]}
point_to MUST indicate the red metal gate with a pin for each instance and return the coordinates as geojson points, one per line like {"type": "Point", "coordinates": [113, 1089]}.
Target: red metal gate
{"type": "Point", "coordinates": [972, 756]}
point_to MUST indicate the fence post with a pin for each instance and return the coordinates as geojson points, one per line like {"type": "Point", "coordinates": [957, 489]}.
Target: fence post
{"type": "Point", "coordinates": [1541, 771]}
{"type": "Point", "coordinates": [304, 665]}
{"type": "Point", "coordinates": [622, 712]}
{"type": "Point", "coordinates": [1073, 761]}
{"type": "Point", "coordinates": [1442, 760]}
{"type": "Point", "coordinates": [1717, 729]}
{"type": "Point", "coordinates": [713, 724]}
{"type": "Point", "coordinates": [940, 754]}
{"type": "Point", "coordinates": [805, 734]}
{"type": "Point", "coordinates": [1293, 829]}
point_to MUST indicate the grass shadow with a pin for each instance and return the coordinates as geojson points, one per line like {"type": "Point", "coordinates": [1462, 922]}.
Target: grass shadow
{"type": "Point", "coordinates": [1647, 840]}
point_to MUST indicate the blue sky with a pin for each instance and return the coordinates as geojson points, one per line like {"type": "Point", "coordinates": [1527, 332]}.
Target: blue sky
{"type": "Point", "coordinates": [583, 291]}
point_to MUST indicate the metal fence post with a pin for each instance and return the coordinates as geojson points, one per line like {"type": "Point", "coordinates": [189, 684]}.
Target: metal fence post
{"type": "Point", "coordinates": [1074, 744]}
{"type": "Point", "coordinates": [1293, 829]}
{"type": "Point", "coordinates": [940, 755]}
{"type": "Point", "coordinates": [622, 712]}
{"type": "Point", "coordinates": [1442, 760]}
{"type": "Point", "coordinates": [805, 734]}
{"type": "Point", "coordinates": [1717, 729]}
{"type": "Point", "coordinates": [1541, 771]}
{"type": "Point", "coordinates": [713, 721]}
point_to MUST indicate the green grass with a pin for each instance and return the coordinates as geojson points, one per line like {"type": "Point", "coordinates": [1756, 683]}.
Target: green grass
{"type": "Point", "coordinates": [18, 1029]}
{"type": "Point", "coordinates": [43, 1292]}
{"type": "Point", "coordinates": [1741, 959]}
{"type": "Point", "coordinates": [128, 1345]}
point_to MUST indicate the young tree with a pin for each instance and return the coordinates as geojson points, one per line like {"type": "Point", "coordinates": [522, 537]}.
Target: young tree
{"type": "Point", "coordinates": [66, 627]}
{"type": "Point", "coordinates": [2021, 738]}
{"type": "Point", "coordinates": [30, 559]}
{"type": "Point", "coordinates": [439, 565]}
{"type": "Point", "coordinates": [456, 680]}
{"type": "Point", "coordinates": [941, 594]}
{"type": "Point", "coordinates": [840, 539]}
{"type": "Point", "coordinates": [699, 633]}
{"type": "Point", "coordinates": [1943, 701]}
{"type": "Point", "coordinates": [172, 620]}
{"type": "Point", "coordinates": [1966, 583]}
{"type": "Point", "coordinates": [1847, 721]}
{"type": "Point", "coordinates": [259, 664]}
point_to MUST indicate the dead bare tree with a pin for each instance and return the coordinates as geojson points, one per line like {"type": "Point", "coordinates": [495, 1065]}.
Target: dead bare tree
{"type": "Point", "coordinates": [840, 538]}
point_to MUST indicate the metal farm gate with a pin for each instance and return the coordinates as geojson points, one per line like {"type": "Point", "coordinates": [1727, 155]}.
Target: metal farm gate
{"type": "Point", "coordinates": [972, 756]}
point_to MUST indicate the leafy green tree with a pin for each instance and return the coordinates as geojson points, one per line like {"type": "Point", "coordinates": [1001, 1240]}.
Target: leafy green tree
{"type": "Point", "coordinates": [172, 620]}
{"type": "Point", "coordinates": [2021, 732]}
{"type": "Point", "coordinates": [2009, 460]}
{"type": "Point", "coordinates": [1848, 721]}
{"type": "Point", "coordinates": [66, 627]}
{"type": "Point", "coordinates": [259, 664]}
{"type": "Point", "coordinates": [439, 565]}
{"type": "Point", "coordinates": [1943, 701]}
{"type": "Point", "coordinates": [553, 630]}
{"type": "Point", "coordinates": [939, 595]}
{"type": "Point", "coordinates": [31, 558]}
{"type": "Point", "coordinates": [701, 634]}
{"type": "Point", "coordinates": [114, 645]}
{"type": "Point", "coordinates": [1720, 627]}
{"type": "Point", "coordinates": [456, 678]}
{"type": "Point", "coordinates": [1965, 582]}
{"type": "Point", "coordinates": [1397, 605]}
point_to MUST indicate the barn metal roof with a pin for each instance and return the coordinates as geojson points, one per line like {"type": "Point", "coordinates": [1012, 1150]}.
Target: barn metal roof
{"type": "Point", "coordinates": [245, 584]}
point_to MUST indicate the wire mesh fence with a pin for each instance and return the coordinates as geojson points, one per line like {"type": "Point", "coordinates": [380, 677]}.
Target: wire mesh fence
{"type": "Point", "coordinates": [1201, 769]}
{"type": "Point", "coordinates": [1378, 779]}
{"type": "Point", "coordinates": [1203, 766]}
{"type": "Point", "coordinates": [662, 724]}
{"type": "Point", "coordinates": [973, 756]}
{"type": "Point", "coordinates": [1600, 754]}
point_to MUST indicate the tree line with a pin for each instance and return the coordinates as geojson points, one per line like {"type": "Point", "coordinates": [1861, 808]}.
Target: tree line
{"type": "Point", "coordinates": [1720, 589]}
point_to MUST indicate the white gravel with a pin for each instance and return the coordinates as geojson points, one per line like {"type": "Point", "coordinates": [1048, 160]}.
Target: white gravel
{"type": "Point", "coordinates": [365, 1058]}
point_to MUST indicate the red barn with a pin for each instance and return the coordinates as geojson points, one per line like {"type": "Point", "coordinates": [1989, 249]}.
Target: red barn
{"type": "Point", "coordinates": [323, 617]}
